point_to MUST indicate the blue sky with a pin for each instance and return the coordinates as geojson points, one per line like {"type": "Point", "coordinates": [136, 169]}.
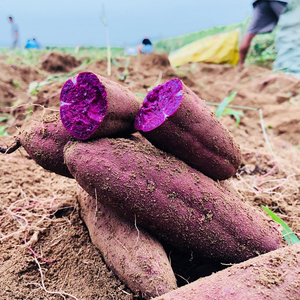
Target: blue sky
{"type": "Point", "coordinates": [77, 22]}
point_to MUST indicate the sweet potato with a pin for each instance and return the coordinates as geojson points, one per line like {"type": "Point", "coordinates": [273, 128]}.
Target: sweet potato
{"type": "Point", "coordinates": [175, 120]}
{"type": "Point", "coordinates": [136, 257]}
{"type": "Point", "coordinates": [170, 199]}
{"type": "Point", "coordinates": [94, 106]}
{"type": "Point", "coordinates": [44, 142]}
{"type": "Point", "coordinates": [274, 275]}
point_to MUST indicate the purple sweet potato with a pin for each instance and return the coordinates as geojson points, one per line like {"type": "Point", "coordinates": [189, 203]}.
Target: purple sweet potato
{"type": "Point", "coordinates": [136, 257]}
{"type": "Point", "coordinates": [274, 275]}
{"type": "Point", "coordinates": [94, 106]}
{"type": "Point", "coordinates": [170, 199]}
{"type": "Point", "coordinates": [175, 120]}
{"type": "Point", "coordinates": [44, 142]}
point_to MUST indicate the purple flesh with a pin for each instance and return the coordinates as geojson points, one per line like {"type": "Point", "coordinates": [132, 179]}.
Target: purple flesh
{"type": "Point", "coordinates": [83, 105]}
{"type": "Point", "coordinates": [159, 104]}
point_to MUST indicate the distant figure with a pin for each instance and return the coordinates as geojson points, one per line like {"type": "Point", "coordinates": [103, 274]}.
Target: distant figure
{"type": "Point", "coordinates": [264, 19]}
{"type": "Point", "coordinates": [146, 46]}
{"type": "Point", "coordinates": [15, 33]}
{"type": "Point", "coordinates": [32, 44]}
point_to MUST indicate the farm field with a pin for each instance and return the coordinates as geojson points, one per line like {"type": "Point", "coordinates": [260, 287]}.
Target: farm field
{"type": "Point", "coordinates": [39, 211]}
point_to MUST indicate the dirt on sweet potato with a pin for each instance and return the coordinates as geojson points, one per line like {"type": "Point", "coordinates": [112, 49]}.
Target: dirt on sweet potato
{"type": "Point", "coordinates": [135, 256]}
{"type": "Point", "coordinates": [274, 275]}
{"type": "Point", "coordinates": [175, 120]}
{"type": "Point", "coordinates": [170, 199]}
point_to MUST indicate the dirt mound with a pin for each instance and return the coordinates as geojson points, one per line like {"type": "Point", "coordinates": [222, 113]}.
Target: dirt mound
{"type": "Point", "coordinates": [154, 60]}
{"type": "Point", "coordinates": [289, 131]}
{"type": "Point", "coordinates": [55, 62]}
{"type": "Point", "coordinates": [14, 82]}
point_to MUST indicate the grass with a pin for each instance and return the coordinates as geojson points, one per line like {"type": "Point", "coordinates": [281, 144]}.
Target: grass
{"type": "Point", "coordinates": [4, 118]}
{"type": "Point", "coordinates": [222, 109]}
{"type": "Point", "coordinates": [287, 232]}
{"type": "Point", "coordinates": [262, 51]}
{"type": "Point", "coordinates": [33, 57]}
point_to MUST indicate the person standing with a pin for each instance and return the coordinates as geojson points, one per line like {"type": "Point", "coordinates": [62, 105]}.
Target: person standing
{"type": "Point", "coordinates": [264, 19]}
{"type": "Point", "coordinates": [146, 46]}
{"type": "Point", "coordinates": [15, 33]}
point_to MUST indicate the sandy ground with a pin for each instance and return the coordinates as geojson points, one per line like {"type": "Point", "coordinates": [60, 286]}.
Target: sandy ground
{"type": "Point", "coordinates": [39, 211]}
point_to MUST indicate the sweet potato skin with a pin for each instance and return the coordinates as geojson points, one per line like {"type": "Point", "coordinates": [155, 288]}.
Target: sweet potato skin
{"type": "Point", "coordinates": [123, 106]}
{"type": "Point", "coordinates": [135, 256]}
{"type": "Point", "coordinates": [118, 120]}
{"type": "Point", "coordinates": [44, 141]}
{"type": "Point", "coordinates": [170, 199]}
{"type": "Point", "coordinates": [274, 275]}
{"type": "Point", "coordinates": [195, 135]}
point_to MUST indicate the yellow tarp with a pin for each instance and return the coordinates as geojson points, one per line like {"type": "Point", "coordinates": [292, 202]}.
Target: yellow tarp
{"type": "Point", "coordinates": [219, 48]}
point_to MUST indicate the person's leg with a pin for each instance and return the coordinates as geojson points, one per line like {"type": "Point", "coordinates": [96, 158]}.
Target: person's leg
{"type": "Point", "coordinates": [14, 45]}
{"type": "Point", "coordinates": [244, 47]}
{"type": "Point", "coordinates": [264, 19]}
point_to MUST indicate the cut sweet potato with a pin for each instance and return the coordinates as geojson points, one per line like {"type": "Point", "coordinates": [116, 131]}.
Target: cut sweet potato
{"type": "Point", "coordinates": [94, 106]}
{"type": "Point", "coordinates": [175, 120]}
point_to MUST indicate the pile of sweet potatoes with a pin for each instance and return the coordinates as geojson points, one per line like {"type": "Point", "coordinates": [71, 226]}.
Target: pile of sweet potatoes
{"type": "Point", "coordinates": [139, 191]}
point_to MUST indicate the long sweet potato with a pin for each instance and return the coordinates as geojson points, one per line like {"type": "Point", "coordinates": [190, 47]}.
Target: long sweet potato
{"type": "Point", "coordinates": [44, 142]}
{"type": "Point", "coordinates": [274, 275]}
{"type": "Point", "coordinates": [175, 120]}
{"type": "Point", "coordinates": [94, 106]}
{"type": "Point", "coordinates": [136, 257]}
{"type": "Point", "coordinates": [170, 199]}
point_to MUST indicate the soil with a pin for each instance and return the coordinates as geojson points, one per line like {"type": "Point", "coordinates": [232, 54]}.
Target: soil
{"type": "Point", "coordinates": [39, 211]}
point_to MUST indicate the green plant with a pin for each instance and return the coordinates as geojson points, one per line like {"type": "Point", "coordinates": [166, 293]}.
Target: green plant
{"type": "Point", "coordinates": [3, 130]}
{"type": "Point", "coordinates": [4, 117]}
{"type": "Point", "coordinates": [35, 86]}
{"type": "Point", "coordinates": [222, 110]}
{"type": "Point", "coordinates": [287, 232]}
{"type": "Point", "coordinates": [262, 51]}
{"type": "Point", "coordinates": [17, 84]}
{"type": "Point", "coordinates": [140, 95]}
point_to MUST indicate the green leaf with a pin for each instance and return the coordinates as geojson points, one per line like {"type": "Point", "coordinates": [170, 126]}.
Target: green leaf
{"type": "Point", "coordinates": [224, 103]}
{"type": "Point", "coordinates": [33, 87]}
{"type": "Point", "coordinates": [287, 232]}
{"type": "Point", "coordinates": [141, 95]}
{"type": "Point", "coordinates": [235, 113]}
{"type": "Point", "coordinates": [4, 117]}
{"type": "Point", "coordinates": [2, 130]}
{"type": "Point", "coordinates": [17, 84]}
